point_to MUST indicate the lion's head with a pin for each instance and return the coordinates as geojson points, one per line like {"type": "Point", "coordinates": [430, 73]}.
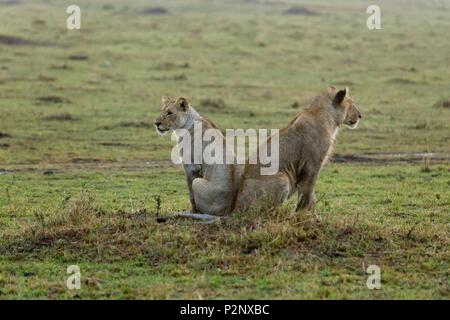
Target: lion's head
{"type": "Point", "coordinates": [173, 115]}
{"type": "Point", "coordinates": [344, 108]}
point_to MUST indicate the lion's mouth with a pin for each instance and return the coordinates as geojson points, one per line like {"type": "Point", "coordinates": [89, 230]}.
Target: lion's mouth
{"type": "Point", "coordinates": [161, 131]}
{"type": "Point", "coordinates": [352, 124]}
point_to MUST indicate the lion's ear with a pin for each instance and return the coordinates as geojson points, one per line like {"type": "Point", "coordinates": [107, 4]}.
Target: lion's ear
{"type": "Point", "coordinates": [165, 100]}
{"type": "Point", "coordinates": [340, 96]}
{"type": "Point", "coordinates": [182, 104]}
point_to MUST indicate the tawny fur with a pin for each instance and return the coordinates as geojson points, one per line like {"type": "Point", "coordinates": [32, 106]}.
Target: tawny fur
{"type": "Point", "coordinates": [305, 145]}
{"type": "Point", "coordinates": [212, 187]}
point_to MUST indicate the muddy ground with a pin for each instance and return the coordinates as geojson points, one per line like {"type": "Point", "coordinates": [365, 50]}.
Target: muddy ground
{"type": "Point", "coordinates": [86, 164]}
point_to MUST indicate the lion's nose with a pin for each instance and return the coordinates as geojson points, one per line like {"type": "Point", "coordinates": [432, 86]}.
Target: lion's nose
{"type": "Point", "coordinates": [360, 115]}
{"type": "Point", "coordinates": [157, 123]}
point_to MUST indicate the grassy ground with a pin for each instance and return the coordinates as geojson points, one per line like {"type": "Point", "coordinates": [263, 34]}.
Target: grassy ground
{"type": "Point", "coordinates": [395, 217]}
{"type": "Point", "coordinates": [81, 165]}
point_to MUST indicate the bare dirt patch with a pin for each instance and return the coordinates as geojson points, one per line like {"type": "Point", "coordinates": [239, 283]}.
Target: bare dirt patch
{"type": "Point", "coordinates": [171, 66]}
{"type": "Point", "coordinates": [154, 11]}
{"type": "Point", "coordinates": [65, 116]}
{"type": "Point", "coordinates": [115, 144]}
{"type": "Point", "coordinates": [39, 22]}
{"type": "Point", "coordinates": [17, 41]}
{"type": "Point", "coordinates": [51, 100]}
{"type": "Point", "coordinates": [391, 158]}
{"type": "Point", "coordinates": [177, 77]}
{"type": "Point", "coordinates": [44, 78]}
{"type": "Point", "coordinates": [211, 103]}
{"type": "Point", "coordinates": [442, 104]}
{"type": "Point", "coordinates": [11, 3]}
{"type": "Point", "coordinates": [78, 57]}
{"type": "Point", "coordinates": [404, 81]}
{"type": "Point", "coordinates": [59, 67]}
{"type": "Point", "coordinates": [300, 11]}
{"type": "Point", "coordinates": [87, 164]}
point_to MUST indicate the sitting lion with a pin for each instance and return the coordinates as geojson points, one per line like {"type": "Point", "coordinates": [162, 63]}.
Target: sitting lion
{"type": "Point", "coordinates": [304, 146]}
{"type": "Point", "coordinates": [212, 187]}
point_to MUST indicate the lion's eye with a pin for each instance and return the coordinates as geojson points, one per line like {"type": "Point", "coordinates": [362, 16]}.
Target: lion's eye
{"type": "Point", "coordinates": [169, 113]}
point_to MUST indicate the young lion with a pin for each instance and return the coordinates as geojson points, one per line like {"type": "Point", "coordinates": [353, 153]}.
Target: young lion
{"type": "Point", "coordinates": [305, 144]}
{"type": "Point", "coordinates": [212, 187]}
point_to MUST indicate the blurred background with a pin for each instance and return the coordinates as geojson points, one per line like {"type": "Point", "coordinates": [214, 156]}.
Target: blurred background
{"type": "Point", "coordinates": [89, 96]}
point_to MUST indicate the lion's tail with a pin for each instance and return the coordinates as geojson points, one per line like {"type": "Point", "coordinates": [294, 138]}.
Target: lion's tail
{"type": "Point", "coordinates": [204, 218]}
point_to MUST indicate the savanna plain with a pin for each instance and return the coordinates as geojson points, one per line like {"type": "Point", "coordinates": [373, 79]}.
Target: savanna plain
{"type": "Point", "coordinates": [84, 176]}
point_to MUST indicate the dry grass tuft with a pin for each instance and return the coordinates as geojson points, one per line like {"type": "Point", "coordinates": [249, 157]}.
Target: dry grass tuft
{"type": "Point", "coordinates": [80, 227]}
{"type": "Point", "coordinates": [442, 104]}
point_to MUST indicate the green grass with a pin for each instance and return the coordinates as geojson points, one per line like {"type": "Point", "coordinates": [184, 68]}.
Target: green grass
{"type": "Point", "coordinates": [395, 217]}
{"type": "Point", "coordinates": [82, 173]}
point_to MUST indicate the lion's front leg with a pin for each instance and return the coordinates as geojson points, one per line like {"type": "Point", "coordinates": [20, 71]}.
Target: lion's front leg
{"type": "Point", "coordinates": [192, 172]}
{"type": "Point", "coordinates": [306, 200]}
{"type": "Point", "coordinates": [305, 188]}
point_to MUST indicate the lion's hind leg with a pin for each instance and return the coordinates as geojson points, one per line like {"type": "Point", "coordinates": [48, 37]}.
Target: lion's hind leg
{"type": "Point", "coordinates": [273, 189]}
{"type": "Point", "coordinates": [211, 197]}
{"type": "Point", "coordinates": [210, 200]}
